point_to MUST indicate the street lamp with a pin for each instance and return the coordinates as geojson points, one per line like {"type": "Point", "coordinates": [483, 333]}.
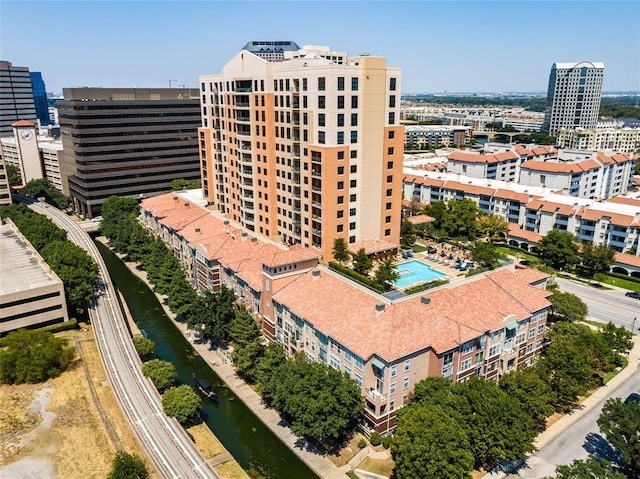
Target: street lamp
{"type": "Point", "coordinates": [633, 324]}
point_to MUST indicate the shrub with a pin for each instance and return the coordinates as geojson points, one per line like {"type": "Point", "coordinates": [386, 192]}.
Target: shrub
{"type": "Point", "coordinates": [362, 444]}
{"type": "Point", "coordinates": [144, 347]}
{"type": "Point", "coordinates": [360, 278]}
{"type": "Point", "coordinates": [375, 439]}
{"type": "Point", "coordinates": [386, 442]}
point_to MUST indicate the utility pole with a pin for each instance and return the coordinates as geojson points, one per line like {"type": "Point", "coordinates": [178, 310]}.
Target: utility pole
{"type": "Point", "coordinates": [171, 81]}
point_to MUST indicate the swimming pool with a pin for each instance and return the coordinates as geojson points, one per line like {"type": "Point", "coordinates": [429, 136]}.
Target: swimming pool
{"type": "Point", "coordinates": [413, 272]}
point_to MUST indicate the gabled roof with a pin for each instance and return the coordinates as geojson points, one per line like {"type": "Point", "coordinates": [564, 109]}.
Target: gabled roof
{"type": "Point", "coordinates": [478, 158]}
{"type": "Point", "coordinates": [627, 259]}
{"type": "Point", "coordinates": [516, 232]}
{"type": "Point", "coordinates": [20, 123]}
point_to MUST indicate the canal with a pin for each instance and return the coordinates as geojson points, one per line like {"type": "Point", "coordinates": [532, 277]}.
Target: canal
{"type": "Point", "coordinates": [249, 441]}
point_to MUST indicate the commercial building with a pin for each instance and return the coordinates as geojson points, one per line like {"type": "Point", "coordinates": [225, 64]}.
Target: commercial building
{"type": "Point", "coordinates": [16, 97]}
{"type": "Point", "coordinates": [307, 149]}
{"type": "Point", "coordinates": [483, 327]}
{"type": "Point", "coordinates": [126, 142]}
{"type": "Point", "coordinates": [40, 98]}
{"type": "Point", "coordinates": [423, 137]}
{"type": "Point", "coordinates": [36, 156]}
{"type": "Point", "coordinates": [31, 294]}
{"type": "Point", "coordinates": [608, 135]}
{"type": "Point", "coordinates": [271, 50]}
{"type": "Point", "coordinates": [573, 96]}
{"type": "Point", "coordinates": [5, 190]}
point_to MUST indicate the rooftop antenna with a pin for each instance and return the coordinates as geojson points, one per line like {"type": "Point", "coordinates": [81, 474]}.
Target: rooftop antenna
{"type": "Point", "coordinates": [173, 79]}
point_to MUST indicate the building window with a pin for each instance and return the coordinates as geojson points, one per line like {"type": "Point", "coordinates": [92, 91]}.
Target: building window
{"type": "Point", "coordinates": [340, 200]}
{"type": "Point", "coordinates": [340, 213]}
{"type": "Point", "coordinates": [387, 232]}
{"type": "Point", "coordinates": [494, 350]}
{"type": "Point", "coordinates": [321, 119]}
{"type": "Point", "coordinates": [392, 389]}
{"type": "Point", "coordinates": [354, 119]}
{"type": "Point", "coordinates": [392, 134]}
{"type": "Point", "coordinates": [341, 170]}
{"type": "Point", "coordinates": [407, 365]}
{"type": "Point", "coordinates": [394, 370]}
{"type": "Point", "coordinates": [389, 178]}
{"type": "Point", "coordinates": [388, 206]}
{"type": "Point", "coordinates": [392, 101]}
{"type": "Point", "coordinates": [304, 84]}
{"type": "Point", "coordinates": [321, 137]}
{"type": "Point", "coordinates": [352, 226]}
{"type": "Point", "coordinates": [387, 219]}
{"type": "Point", "coordinates": [466, 364]}
{"type": "Point", "coordinates": [321, 84]}
{"type": "Point", "coordinates": [354, 84]}
{"type": "Point", "coordinates": [392, 84]}
{"type": "Point", "coordinates": [390, 164]}
{"type": "Point", "coordinates": [341, 185]}
{"type": "Point", "coordinates": [405, 383]}
{"type": "Point", "coordinates": [340, 83]}
{"type": "Point", "coordinates": [352, 211]}
{"type": "Point", "coordinates": [532, 333]}
{"type": "Point", "coordinates": [353, 154]}
{"type": "Point", "coordinates": [359, 363]}
{"type": "Point", "coordinates": [467, 347]}
{"type": "Point", "coordinates": [392, 118]}
{"type": "Point", "coordinates": [321, 101]}
{"type": "Point", "coordinates": [352, 183]}
{"type": "Point", "coordinates": [340, 138]}
{"type": "Point", "coordinates": [340, 101]}
{"type": "Point", "coordinates": [352, 239]}
{"type": "Point", "coordinates": [389, 191]}
{"type": "Point", "coordinates": [354, 137]}
{"type": "Point", "coordinates": [354, 102]}
{"type": "Point", "coordinates": [353, 168]}
{"type": "Point", "coordinates": [358, 379]}
{"type": "Point", "coordinates": [352, 197]}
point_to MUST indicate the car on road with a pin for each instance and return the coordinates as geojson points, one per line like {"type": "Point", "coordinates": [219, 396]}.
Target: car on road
{"type": "Point", "coordinates": [632, 294]}
{"type": "Point", "coordinates": [632, 398]}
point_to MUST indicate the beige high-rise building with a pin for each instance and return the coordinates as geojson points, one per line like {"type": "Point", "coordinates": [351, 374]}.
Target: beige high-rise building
{"type": "Point", "coordinates": [305, 149]}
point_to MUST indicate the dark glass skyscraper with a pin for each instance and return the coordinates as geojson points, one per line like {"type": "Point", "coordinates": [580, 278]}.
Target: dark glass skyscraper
{"type": "Point", "coordinates": [40, 98]}
{"type": "Point", "coordinates": [16, 97]}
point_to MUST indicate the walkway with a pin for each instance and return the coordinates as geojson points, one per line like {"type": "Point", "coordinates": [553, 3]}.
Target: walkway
{"type": "Point", "coordinates": [220, 362]}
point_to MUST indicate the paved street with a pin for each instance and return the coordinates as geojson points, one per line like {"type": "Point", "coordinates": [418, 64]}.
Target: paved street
{"type": "Point", "coordinates": [605, 305]}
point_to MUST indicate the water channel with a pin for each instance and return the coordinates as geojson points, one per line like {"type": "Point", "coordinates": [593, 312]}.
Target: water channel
{"type": "Point", "coordinates": [239, 430]}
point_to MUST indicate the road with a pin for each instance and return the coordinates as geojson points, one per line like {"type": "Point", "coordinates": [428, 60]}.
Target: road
{"type": "Point", "coordinates": [166, 443]}
{"type": "Point", "coordinates": [577, 441]}
{"type": "Point", "coordinates": [605, 305]}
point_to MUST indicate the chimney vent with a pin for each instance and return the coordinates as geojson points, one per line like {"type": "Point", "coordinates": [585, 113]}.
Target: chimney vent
{"type": "Point", "coordinates": [226, 222]}
{"type": "Point", "coordinates": [425, 300]}
{"type": "Point", "coordinates": [380, 307]}
{"type": "Point", "coordinates": [244, 233]}
{"type": "Point", "coordinates": [316, 272]}
{"type": "Point", "coordinates": [198, 230]}
{"type": "Point", "coordinates": [186, 205]}
{"type": "Point", "coordinates": [254, 239]}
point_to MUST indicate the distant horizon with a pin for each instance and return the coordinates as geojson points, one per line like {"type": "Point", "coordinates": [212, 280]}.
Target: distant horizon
{"type": "Point", "coordinates": [441, 46]}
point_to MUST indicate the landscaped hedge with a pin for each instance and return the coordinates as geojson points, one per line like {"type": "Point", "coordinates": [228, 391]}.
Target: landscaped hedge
{"type": "Point", "coordinates": [624, 276]}
{"type": "Point", "coordinates": [424, 286]}
{"type": "Point", "coordinates": [54, 328]}
{"type": "Point", "coordinates": [365, 280]}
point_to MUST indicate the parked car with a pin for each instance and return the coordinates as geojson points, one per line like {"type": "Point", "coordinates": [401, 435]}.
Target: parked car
{"type": "Point", "coordinates": [632, 398]}
{"type": "Point", "coordinates": [633, 294]}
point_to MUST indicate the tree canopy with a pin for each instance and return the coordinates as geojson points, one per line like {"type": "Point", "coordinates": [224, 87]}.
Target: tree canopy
{"type": "Point", "coordinates": [162, 374]}
{"type": "Point", "coordinates": [144, 347]}
{"type": "Point", "coordinates": [567, 307]}
{"type": "Point", "coordinates": [181, 402]}
{"type": "Point", "coordinates": [14, 175]}
{"type": "Point", "coordinates": [492, 227]}
{"type": "Point", "coordinates": [407, 234]}
{"type": "Point", "coordinates": [486, 254]}
{"type": "Point", "coordinates": [321, 403]}
{"type": "Point", "coordinates": [211, 315]}
{"type": "Point", "coordinates": [128, 466]}
{"type": "Point", "coordinates": [32, 356]}
{"type": "Point", "coordinates": [558, 249]}
{"type": "Point", "coordinates": [361, 262]}
{"type": "Point", "coordinates": [620, 424]}
{"type": "Point", "coordinates": [42, 187]}
{"type": "Point", "coordinates": [118, 213]}
{"type": "Point", "coordinates": [534, 393]}
{"type": "Point", "coordinates": [340, 250]}
{"type": "Point", "coordinates": [386, 273]}
{"type": "Point", "coordinates": [596, 259]}
{"type": "Point", "coordinates": [590, 468]}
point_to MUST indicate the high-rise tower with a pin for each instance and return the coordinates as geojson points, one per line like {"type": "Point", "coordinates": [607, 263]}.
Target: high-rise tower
{"type": "Point", "coordinates": [305, 149]}
{"type": "Point", "coordinates": [573, 96]}
{"type": "Point", "coordinates": [16, 97]}
{"type": "Point", "coordinates": [40, 98]}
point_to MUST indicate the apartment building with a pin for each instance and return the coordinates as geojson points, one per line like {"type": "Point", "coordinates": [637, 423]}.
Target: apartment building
{"type": "Point", "coordinates": [36, 156]}
{"type": "Point", "coordinates": [31, 294]}
{"type": "Point", "coordinates": [573, 96]}
{"type": "Point", "coordinates": [423, 137]}
{"type": "Point", "coordinates": [534, 210]}
{"type": "Point", "coordinates": [126, 142]}
{"type": "Point", "coordinates": [486, 327]}
{"type": "Point", "coordinates": [16, 97]}
{"type": "Point", "coordinates": [502, 165]}
{"type": "Point", "coordinates": [307, 149]}
{"type": "Point", "coordinates": [5, 190]}
{"type": "Point", "coordinates": [609, 135]}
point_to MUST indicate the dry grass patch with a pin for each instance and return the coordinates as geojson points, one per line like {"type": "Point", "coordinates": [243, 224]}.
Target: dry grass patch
{"type": "Point", "coordinates": [348, 452]}
{"type": "Point", "coordinates": [206, 441]}
{"type": "Point", "coordinates": [384, 467]}
{"type": "Point", "coordinates": [231, 470]}
{"type": "Point", "coordinates": [16, 417]}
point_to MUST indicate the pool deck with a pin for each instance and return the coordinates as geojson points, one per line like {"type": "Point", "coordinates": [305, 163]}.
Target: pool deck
{"type": "Point", "coordinates": [446, 269]}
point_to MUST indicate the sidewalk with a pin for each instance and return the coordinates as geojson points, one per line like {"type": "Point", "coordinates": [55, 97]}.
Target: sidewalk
{"type": "Point", "coordinates": [220, 362]}
{"type": "Point", "coordinates": [589, 403]}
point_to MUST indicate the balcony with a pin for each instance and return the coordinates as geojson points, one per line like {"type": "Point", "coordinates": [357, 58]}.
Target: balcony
{"type": "Point", "coordinates": [244, 146]}
{"type": "Point", "coordinates": [376, 397]}
{"type": "Point", "coordinates": [316, 189]}
{"type": "Point", "coordinates": [242, 104]}
{"type": "Point", "coordinates": [316, 232]}
{"type": "Point", "coordinates": [317, 204]}
{"type": "Point", "coordinates": [316, 174]}
{"type": "Point", "coordinates": [243, 89]}
{"type": "Point", "coordinates": [243, 119]}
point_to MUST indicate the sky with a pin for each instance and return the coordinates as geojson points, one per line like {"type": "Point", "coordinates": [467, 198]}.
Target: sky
{"type": "Point", "coordinates": [441, 46]}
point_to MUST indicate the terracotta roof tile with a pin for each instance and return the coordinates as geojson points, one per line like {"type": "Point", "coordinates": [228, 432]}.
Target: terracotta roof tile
{"type": "Point", "coordinates": [420, 219]}
{"type": "Point", "coordinates": [516, 232]}
{"type": "Point", "coordinates": [627, 259]}
{"type": "Point", "coordinates": [551, 207]}
{"type": "Point", "coordinates": [625, 201]}
{"type": "Point", "coordinates": [372, 246]}
{"type": "Point", "coordinates": [294, 255]}
{"type": "Point", "coordinates": [22, 123]}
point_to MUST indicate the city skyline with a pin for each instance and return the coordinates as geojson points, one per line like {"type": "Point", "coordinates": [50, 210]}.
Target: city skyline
{"type": "Point", "coordinates": [480, 46]}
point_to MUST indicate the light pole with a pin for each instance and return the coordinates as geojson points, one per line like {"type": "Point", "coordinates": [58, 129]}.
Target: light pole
{"type": "Point", "coordinates": [633, 324]}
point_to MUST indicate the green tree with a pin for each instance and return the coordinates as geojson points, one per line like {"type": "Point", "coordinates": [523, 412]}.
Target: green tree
{"type": "Point", "coordinates": [407, 234]}
{"type": "Point", "coordinates": [144, 347]}
{"type": "Point", "coordinates": [139, 242]}
{"type": "Point", "coordinates": [243, 329]}
{"type": "Point", "coordinates": [498, 428]}
{"type": "Point", "coordinates": [430, 442]}
{"type": "Point", "coordinates": [361, 263]}
{"type": "Point", "coordinates": [38, 229]}
{"type": "Point", "coordinates": [340, 251]}
{"type": "Point", "coordinates": [590, 468]}
{"type": "Point", "coordinates": [181, 294]}
{"type": "Point", "coordinates": [31, 356]}
{"type": "Point", "coordinates": [181, 402]}
{"type": "Point", "coordinates": [246, 359]}
{"type": "Point", "coordinates": [486, 254]}
{"type": "Point", "coordinates": [14, 175]}
{"type": "Point", "coordinates": [118, 216]}
{"type": "Point", "coordinates": [437, 210]}
{"type": "Point", "coordinates": [164, 272]}
{"type": "Point", "coordinates": [620, 424]}
{"type": "Point", "coordinates": [162, 374]}
{"type": "Point", "coordinates": [567, 307]}
{"type": "Point", "coordinates": [459, 221]}
{"type": "Point", "coordinates": [558, 249]}
{"type": "Point", "coordinates": [128, 466]}
{"type": "Point", "coordinates": [533, 392]}
{"type": "Point", "coordinates": [386, 273]}
{"type": "Point", "coordinates": [492, 227]}
{"type": "Point", "coordinates": [273, 357]}
{"type": "Point", "coordinates": [211, 314]}
{"type": "Point", "coordinates": [597, 259]}
{"type": "Point", "coordinates": [42, 187]}
{"type": "Point", "coordinates": [77, 270]}
{"type": "Point", "coordinates": [322, 404]}
{"type": "Point", "coordinates": [618, 338]}
{"type": "Point", "coordinates": [179, 184]}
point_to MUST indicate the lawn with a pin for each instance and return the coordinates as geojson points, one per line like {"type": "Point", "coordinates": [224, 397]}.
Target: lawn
{"type": "Point", "coordinates": [518, 253]}
{"type": "Point", "coordinates": [231, 470]}
{"type": "Point", "coordinates": [623, 283]}
{"type": "Point", "coordinates": [384, 467]}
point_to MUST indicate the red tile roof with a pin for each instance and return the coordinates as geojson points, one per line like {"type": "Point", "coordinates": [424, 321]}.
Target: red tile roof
{"type": "Point", "coordinates": [558, 167]}
{"type": "Point", "coordinates": [516, 232]}
{"type": "Point", "coordinates": [592, 214]}
{"type": "Point", "coordinates": [372, 246]}
{"type": "Point", "coordinates": [420, 219]}
{"type": "Point", "coordinates": [294, 255]}
{"type": "Point", "coordinates": [551, 207]}
{"type": "Point", "coordinates": [478, 158]}
{"type": "Point", "coordinates": [22, 123]}
{"type": "Point", "coordinates": [625, 201]}
{"type": "Point", "coordinates": [628, 259]}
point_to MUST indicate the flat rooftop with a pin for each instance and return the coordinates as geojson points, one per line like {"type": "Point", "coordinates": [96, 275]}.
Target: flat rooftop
{"type": "Point", "coordinates": [21, 268]}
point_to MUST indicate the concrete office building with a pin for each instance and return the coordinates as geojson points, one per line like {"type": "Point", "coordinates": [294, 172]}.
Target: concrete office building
{"type": "Point", "coordinates": [40, 98]}
{"type": "Point", "coordinates": [31, 294]}
{"type": "Point", "coordinates": [126, 142]}
{"type": "Point", "coordinates": [16, 97]}
{"type": "Point", "coordinates": [5, 190]}
{"type": "Point", "coordinates": [271, 50]}
{"type": "Point", "coordinates": [306, 149]}
{"type": "Point", "coordinates": [573, 96]}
